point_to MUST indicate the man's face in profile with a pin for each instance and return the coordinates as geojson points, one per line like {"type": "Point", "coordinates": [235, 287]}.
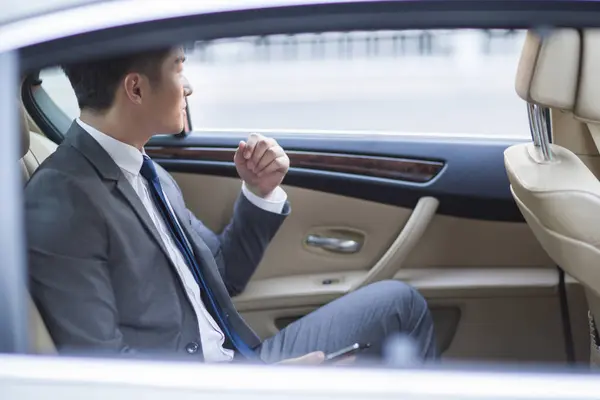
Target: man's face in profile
{"type": "Point", "coordinates": [166, 105]}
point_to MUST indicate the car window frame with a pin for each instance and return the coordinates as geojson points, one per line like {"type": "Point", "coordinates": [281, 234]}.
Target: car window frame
{"type": "Point", "coordinates": [270, 20]}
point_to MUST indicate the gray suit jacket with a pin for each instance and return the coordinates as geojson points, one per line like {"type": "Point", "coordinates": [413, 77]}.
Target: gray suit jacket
{"type": "Point", "coordinates": [99, 271]}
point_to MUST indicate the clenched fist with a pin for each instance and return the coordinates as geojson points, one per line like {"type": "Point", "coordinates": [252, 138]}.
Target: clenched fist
{"type": "Point", "coordinates": [261, 163]}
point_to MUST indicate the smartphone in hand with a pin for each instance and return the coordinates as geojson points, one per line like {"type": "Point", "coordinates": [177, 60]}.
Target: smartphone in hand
{"type": "Point", "coordinates": [346, 352]}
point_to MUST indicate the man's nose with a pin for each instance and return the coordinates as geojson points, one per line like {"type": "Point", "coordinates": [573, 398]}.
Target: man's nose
{"type": "Point", "coordinates": [187, 87]}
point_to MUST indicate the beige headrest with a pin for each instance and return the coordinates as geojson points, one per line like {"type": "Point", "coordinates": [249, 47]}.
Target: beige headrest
{"type": "Point", "coordinates": [24, 132]}
{"type": "Point", "coordinates": [548, 70]}
{"type": "Point", "coordinates": [587, 106]}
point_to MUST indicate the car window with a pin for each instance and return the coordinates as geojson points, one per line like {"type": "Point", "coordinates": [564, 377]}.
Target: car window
{"type": "Point", "coordinates": [56, 84]}
{"type": "Point", "coordinates": [448, 82]}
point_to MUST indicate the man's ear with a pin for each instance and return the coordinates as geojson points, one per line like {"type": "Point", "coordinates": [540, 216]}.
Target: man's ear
{"type": "Point", "coordinates": [132, 84]}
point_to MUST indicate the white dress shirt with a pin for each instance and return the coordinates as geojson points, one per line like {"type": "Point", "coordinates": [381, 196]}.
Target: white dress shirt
{"type": "Point", "coordinates": [129, 160]}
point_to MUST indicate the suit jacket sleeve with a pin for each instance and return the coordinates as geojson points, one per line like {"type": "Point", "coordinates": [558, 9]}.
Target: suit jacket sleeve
{"type": "Point", "coordinates": [69, 274]}
{"type": "Point", "coordinates": [242, 243]}
{"type": "Point", "coordinates": [239, 248]}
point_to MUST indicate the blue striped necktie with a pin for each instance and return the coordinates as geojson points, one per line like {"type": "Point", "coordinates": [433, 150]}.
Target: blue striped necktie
{"type": "Point", "coordinates": [148, 171]}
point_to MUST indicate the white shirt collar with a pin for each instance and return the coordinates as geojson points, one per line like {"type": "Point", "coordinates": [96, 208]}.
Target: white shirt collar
{"type": "Point", "coordinates": [124, 155]}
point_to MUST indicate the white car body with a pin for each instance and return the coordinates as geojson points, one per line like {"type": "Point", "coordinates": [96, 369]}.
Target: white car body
{"type": "Point", "coordinates": [26, 377]}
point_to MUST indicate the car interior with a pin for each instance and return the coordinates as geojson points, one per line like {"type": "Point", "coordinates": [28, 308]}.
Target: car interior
{"type": "Point", "coordinates": [555, 184]}
{"type": "Point", "coordinates": [479, 227]}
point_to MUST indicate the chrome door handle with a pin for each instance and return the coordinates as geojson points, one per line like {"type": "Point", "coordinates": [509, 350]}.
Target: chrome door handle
{"type": "Point", "coordinates": [337, 245]}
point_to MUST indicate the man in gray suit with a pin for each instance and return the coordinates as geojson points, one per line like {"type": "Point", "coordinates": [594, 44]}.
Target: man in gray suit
{"type": "Point", "coordinates": [119, 264]}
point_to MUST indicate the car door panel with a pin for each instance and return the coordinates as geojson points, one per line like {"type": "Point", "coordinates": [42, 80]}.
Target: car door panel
{"type": "Point", "coordinates": [487, 280]}
{"type": "Point", "coordinates": [473, 281]}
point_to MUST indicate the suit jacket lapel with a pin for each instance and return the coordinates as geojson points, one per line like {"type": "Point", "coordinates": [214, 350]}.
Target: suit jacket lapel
{"type": "Point", "coordinates": [134, 201]}
{"type": "Point", "coordinates": [78, 138]}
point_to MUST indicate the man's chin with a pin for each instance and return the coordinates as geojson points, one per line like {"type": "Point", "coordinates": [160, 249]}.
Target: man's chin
{"type": "Point", "coordinates": [173, 131]}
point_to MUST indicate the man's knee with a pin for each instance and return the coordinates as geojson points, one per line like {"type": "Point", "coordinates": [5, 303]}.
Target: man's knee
{"type": "Point", "coordinates": [402, 300]}
{"type": "Point", "coordinates": [401, 309]}
{"type": "Point", "coordinates": [398, 291]}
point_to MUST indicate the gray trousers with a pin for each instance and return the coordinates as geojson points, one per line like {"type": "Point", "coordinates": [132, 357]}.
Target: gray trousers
{"type": "Point", "coordinates": [368, 315]}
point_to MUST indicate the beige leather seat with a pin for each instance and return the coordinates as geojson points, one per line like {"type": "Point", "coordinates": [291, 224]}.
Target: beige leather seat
{"type": "Point", "coordinates": [39, 149]}
{"type": "Point", "coordinates": [35, 148]}
{"type": "Point", "coordinates": [556, 192]}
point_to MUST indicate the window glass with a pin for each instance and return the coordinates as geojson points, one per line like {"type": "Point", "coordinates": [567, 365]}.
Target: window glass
{"type": "Point", "coordinates": [56, 84]}
{"type": "Point", "coordinates": [451, 82]}
{"type": "Point", "coordinates": [448, 82]}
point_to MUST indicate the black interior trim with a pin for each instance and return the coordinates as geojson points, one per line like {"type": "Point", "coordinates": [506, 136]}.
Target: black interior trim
{"type": "Point", "coordinates": [472, 184]}
{"type": "Point", "coordinates": [395, 168]}
{"type": "Point", "coordinates": [565, 317]}
{"type": "Point", "coordinates": [50, 118]}
{"type": "Point", "coordinates": [378, 190]}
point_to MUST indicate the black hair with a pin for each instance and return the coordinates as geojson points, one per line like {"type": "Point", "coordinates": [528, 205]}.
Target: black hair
{"type": "Point", "coordinates": [95, 82]}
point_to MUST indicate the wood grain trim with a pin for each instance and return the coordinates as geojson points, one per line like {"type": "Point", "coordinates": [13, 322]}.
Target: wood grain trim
{"type": "Point", "coordinates": [404, 169]}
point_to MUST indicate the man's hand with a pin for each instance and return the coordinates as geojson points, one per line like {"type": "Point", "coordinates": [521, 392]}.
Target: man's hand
{"type": "Point", "coordinates": [261, 163]}
{"type": "Point", "coordinates": [316, 358]}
